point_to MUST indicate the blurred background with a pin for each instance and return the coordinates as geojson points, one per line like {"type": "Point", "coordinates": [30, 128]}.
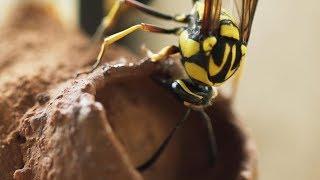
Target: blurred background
{"type": "Point", "coordinates": [279, 95]}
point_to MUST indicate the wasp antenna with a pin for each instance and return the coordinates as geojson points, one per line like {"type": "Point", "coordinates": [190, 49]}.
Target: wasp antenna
{"type": "Point", "coordinates": [159, 151]}
{"type": "Point", "coordinates": [212, 139]}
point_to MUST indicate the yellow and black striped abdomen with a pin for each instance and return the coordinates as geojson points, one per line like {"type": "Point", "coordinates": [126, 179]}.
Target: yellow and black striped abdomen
{"type": "Point", "coordinates": [211, 60]}
{"type": "Point", "coordinates": [228, 53]}
{"type": "Point", "coordinates": [225, 59]}
{"type": "Point", "coordinates": [194, 58]}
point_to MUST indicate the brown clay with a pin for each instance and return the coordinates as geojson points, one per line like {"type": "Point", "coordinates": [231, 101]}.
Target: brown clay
{"type": "Point", "coordinates": [102, 125]}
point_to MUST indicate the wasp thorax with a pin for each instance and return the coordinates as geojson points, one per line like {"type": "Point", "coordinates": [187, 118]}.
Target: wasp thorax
{"type": "Point", "coordinates": [189, 44]}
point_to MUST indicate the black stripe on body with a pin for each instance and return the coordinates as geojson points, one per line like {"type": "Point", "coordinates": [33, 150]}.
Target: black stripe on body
{"type": "Point", "coordinates": [218, 51]}
{"type": "Point", "coordinates": [237, 61]}
{"type": "Point", "coordinates": [220, 77]}
{"type": "Point", "coordinates": [200, 58]}
{"type": "Point", "coordinates": [218, 54]}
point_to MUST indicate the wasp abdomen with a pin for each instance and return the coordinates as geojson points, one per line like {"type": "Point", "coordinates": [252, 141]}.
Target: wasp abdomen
{"type": "Point", "coordinates": [225, 58]}
{"type": "Point", "coordinates": [214, 59]}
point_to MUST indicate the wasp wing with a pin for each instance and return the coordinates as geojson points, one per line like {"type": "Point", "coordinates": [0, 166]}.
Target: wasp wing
{"type": "Point", "coordinates": [211, 16]}
{"type": "Point", "coordinates": [242, 12]}
{"type": "Point", "coordinates": [249, 9]}
{"type": "Point", "coordinates": [232, 9]}
{"type": "Point", "coordinates": [216, 15]}
{"type": "Point", "coordinates": [245, 11]}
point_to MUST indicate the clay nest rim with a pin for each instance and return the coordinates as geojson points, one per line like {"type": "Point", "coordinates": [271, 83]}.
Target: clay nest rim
{"type": "Point", "coordinates": [142, 113]}
{"type": "Point", "coordinates": [106, 123]}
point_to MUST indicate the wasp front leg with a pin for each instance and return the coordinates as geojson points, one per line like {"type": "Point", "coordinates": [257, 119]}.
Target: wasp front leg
{"type": "Point", "coordinates": [107, 21]}
{"type": "Point", "coordinates": [115, 37]}
{"type": "Point", "coordinates": [110, 18]}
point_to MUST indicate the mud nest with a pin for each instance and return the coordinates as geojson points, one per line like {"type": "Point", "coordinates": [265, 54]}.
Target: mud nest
{"type": "Point", "coordinates": [102, 125]}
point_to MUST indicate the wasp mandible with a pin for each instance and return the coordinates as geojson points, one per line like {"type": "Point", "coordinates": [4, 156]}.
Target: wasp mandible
{"type": "Point", "coordinates": [212, 44]}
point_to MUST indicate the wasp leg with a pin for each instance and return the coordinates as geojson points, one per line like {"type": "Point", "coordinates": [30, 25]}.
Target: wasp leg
{"type": "Point", "coordinates": [115, 37]}
{"type": "Point", "coordinates": [109, 19]}
{"type": "Point", "coordinates": [236, 81]}
{"type": "Point", "coordinates": [212, 140]}
{"type": "Point", "coordinates": [159, 151]}
{"type": "Point", "coordinates": [162, 54]}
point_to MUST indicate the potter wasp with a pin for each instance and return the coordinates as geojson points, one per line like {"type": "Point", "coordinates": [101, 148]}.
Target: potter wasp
{"type": "Point", "coordinates": [212, 43]}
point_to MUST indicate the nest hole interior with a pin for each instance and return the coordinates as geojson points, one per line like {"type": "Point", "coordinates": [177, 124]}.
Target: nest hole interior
{"type": "Point", "coordinates": [142, 114]}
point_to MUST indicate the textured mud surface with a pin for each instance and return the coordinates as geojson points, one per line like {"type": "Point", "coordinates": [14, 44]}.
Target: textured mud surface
{"type": "Point", "coordinates": [100, 126]}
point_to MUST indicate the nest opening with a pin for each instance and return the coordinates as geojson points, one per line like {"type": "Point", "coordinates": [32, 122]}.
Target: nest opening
{"type": "Point", "coordinates": [142, 113]}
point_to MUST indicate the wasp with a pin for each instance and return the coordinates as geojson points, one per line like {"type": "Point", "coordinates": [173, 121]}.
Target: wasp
{"type": "Point", "coordinates": [212, 43]}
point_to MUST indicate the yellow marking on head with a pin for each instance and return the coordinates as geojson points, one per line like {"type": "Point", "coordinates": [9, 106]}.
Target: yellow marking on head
{"type": "Point", "coordinates": [213, 68]}
{"type": "Point", "coordinates": [189, 47]}
{"type": "Point", "coordinates": [209, 43]}
{"type": "Point", "coordinates": [186, 89]}
{"type": "Point", "coordinates": [228, 30]}
{"type": "Point", "coordinates": [198, 73]}
{"type": "Point", "coordinates": [234, 53]}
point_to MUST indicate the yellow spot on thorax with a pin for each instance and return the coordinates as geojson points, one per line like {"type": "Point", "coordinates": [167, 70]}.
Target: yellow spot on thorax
{"type": "Point", "coordinates": [215, 69]}
{"type": "Point", "coordinates": [209, 43]}
{"type": "Point", "coordinates": [198, 73]}
{"type": "Point", "coordinates": [189, 47]}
